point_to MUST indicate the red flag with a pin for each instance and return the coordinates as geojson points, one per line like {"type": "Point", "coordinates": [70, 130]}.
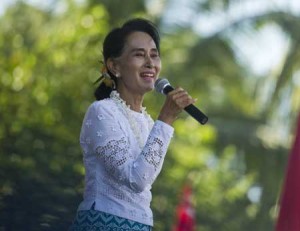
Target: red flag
{"type": "Point", "coordinates": [185, 212]}
{"type": "Point", "coordinates": [289, 214]}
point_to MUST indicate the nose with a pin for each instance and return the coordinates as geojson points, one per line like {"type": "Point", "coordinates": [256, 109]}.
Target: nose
{"type": "Point", "coordinates": [149, 62]}
{"type": "Point", "coordinates": [149, 65]}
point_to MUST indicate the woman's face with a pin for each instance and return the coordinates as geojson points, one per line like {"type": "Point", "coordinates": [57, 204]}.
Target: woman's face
{"type": "Point", "coordinates": [139, 65]}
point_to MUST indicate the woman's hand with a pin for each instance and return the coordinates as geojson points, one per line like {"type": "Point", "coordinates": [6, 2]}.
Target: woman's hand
{"type": "Point", "coordinates": [175, 102]}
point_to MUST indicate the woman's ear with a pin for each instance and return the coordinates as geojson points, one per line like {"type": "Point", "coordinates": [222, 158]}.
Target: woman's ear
{"type": "Point", "coordinates": [113, 67]}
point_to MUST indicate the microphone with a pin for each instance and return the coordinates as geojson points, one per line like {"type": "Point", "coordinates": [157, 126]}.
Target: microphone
{"type": "Point", "coordinates": [163, 86]}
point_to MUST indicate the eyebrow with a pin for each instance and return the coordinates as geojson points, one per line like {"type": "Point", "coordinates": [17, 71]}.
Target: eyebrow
{"type": "Point", "coordinates": [142, 49]}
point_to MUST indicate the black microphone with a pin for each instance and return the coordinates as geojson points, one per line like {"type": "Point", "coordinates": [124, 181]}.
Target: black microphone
{"type": "Point", "coordinates": [163, 86]}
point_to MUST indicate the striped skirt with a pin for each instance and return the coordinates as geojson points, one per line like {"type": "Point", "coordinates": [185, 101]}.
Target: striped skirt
{"type": "Point", "coordinates": [88, 220]}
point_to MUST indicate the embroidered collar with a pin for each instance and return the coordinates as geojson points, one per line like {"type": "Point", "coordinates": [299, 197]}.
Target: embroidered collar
{"type": "Point", "coordinates": [128, 113]}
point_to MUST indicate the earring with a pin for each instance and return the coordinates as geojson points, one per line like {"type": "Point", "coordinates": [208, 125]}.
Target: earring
{"type": "Point", "coordinates": [117, 75]}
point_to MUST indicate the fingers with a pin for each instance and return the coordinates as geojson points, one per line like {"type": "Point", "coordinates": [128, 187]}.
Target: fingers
{"type": "Point", "coordinates": [181, 98]}
{"type": "Point", "coordinates": [175, 102]}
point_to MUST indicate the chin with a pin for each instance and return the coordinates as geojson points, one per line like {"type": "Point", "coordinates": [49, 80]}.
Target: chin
{"type": "Point", "coordinates": [148, 88]}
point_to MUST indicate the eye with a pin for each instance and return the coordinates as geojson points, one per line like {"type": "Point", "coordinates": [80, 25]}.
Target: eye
{"type": "Point", "coordinates": [139, 54]}
{"type": "Point", "coordinates": [154, 55]}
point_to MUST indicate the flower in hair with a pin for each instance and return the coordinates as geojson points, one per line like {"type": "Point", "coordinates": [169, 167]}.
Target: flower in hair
{"type": "Point", "coordinates": [106, 78]}
{"type": "Point", "coordinates": [104, 69]}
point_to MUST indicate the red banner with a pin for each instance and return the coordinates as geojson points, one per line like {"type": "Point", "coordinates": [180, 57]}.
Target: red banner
{"type": "Point", "coordinates": [185, 212]}
{"type": "Point", "coordinates": [289, 213]}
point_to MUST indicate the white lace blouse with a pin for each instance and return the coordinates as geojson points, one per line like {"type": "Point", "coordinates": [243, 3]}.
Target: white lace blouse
{"type": "Point", "coordinates": [119, 170]}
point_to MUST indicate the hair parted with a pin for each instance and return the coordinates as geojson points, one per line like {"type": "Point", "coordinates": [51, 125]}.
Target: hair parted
{"type": "Point", "coordinates": [114, 43]}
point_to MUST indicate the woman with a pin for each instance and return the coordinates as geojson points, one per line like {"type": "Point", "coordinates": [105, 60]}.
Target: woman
{"type": "Point", "coordinates": [123, 148]}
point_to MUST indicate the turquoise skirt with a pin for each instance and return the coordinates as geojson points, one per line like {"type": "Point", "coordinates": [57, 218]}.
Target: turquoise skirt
{"type": "Point", "coordinates": [87, 220]}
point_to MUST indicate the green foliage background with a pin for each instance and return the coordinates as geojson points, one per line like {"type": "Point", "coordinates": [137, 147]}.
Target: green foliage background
{"type": "Point", "coordinates": [51, 58]}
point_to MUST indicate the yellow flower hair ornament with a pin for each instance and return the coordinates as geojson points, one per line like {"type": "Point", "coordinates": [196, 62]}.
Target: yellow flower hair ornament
{"type": "Point", "coordinates": [106, 78]}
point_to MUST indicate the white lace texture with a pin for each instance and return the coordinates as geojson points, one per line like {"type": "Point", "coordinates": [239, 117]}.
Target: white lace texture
{"type": "Point", "coordinates": [115, 154]}
{"type": "Point", "coordinates": [123, 154]}
{"type": "Point", "coordinates": [128, 113]}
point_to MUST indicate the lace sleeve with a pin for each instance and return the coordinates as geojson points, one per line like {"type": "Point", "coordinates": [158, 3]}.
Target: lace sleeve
{"type": "Point", "coordinates": [102, 132]}
{"type": "Point", "coordinates": [149, 164]}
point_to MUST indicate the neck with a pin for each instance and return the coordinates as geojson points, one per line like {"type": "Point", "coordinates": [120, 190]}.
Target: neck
{"type": "Point", "coordinates": [135, 101]}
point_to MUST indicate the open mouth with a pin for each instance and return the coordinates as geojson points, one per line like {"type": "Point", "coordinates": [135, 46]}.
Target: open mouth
{"type": "Point", "coordinates": [147, 75]}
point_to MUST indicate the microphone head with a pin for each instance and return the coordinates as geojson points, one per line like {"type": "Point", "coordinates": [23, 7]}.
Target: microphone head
{"type": "Point", "coordinates": [160, 84]}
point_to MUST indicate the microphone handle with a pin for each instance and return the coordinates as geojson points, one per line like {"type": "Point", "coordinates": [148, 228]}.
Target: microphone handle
{"type": "Point", "coordinates": [196, 113]}
{"type": "Point", "coordinates": [190, 109]}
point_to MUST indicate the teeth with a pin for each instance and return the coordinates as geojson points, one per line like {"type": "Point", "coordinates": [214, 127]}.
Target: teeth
{"type": "Point", "coordinates": [147, 75]}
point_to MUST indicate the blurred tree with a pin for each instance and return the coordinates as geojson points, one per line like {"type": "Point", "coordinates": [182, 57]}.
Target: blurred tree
{"type": "Point", "coordinates": [44, 84]}
{"type": "Point", "coordinates": [50, 59]}
{"type": "Point", "coordinates": [234, 104]}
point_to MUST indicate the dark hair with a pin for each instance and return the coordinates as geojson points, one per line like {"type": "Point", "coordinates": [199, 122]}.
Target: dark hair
{"type": "Point", "coordinates": [114, 42]}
